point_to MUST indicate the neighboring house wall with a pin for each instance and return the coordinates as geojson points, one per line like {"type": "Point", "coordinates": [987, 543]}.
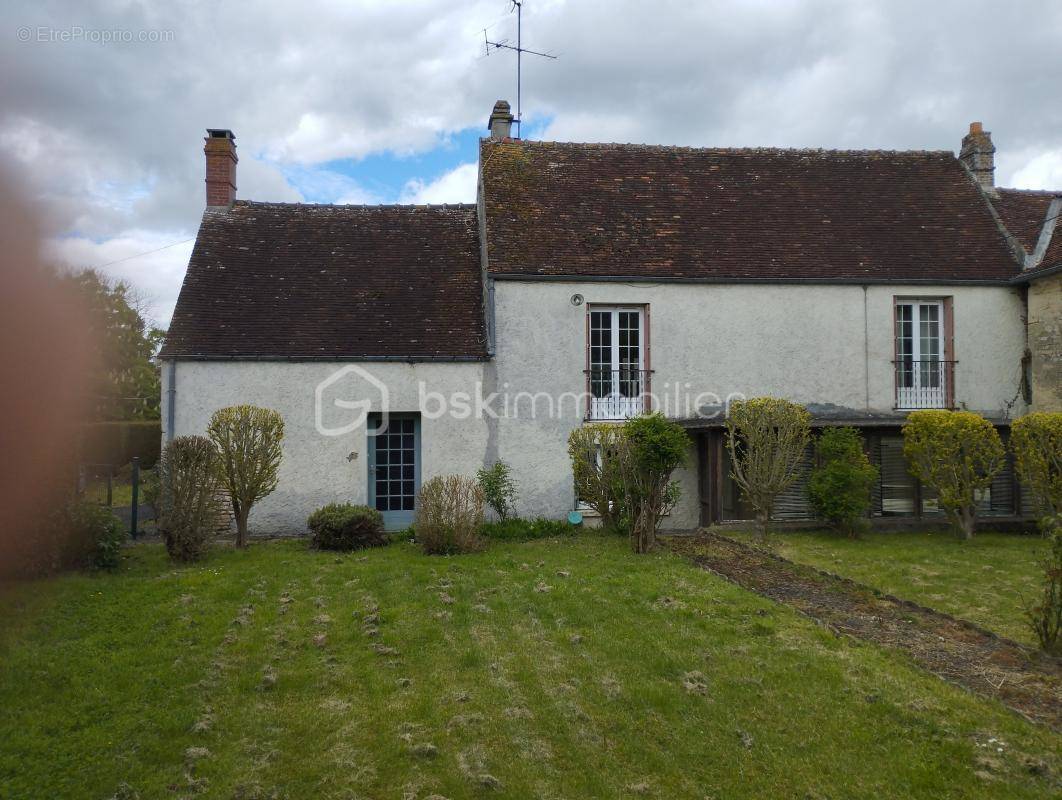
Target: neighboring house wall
{"type": "Point", "coordinates": [315, 469]}
{"type": "Point", "coordinates": [1045, 342]}
{"type": "Point", "coordinates": [809, 343]}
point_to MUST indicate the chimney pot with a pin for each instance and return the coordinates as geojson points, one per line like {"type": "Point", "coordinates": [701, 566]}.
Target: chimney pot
{"type": "Point", "coordinates": [978, 154]}
{"type": "Point", "coordinates": [500, 122]}
{"type": "Point", "coordinates": [220, 150]}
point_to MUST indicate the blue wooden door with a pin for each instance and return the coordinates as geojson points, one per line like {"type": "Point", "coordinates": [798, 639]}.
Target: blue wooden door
{"type": "Point", "coordinates": [394, 467]}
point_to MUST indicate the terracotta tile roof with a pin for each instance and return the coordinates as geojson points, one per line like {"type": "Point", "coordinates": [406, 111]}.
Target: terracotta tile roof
{"type": "Point", "coordinates": [556, 209]}
{"type": "Point", "coordinates": [273, 280]}
{"type": "Point", "coordinates": [1023, 212]}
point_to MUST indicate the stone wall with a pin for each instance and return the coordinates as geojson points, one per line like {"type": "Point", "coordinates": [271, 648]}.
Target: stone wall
{"type": "Point", "coordinates": [1045, 342]}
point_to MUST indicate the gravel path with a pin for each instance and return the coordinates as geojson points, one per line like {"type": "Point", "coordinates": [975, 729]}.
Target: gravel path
{"type": "Point", "coordinates": [958, 651]}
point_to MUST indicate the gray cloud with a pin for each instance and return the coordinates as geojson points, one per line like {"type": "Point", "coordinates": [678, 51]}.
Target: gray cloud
{"type": "Point", "coordinates": [109, 135]}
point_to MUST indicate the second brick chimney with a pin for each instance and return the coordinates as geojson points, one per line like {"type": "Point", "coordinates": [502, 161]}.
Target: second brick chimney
{"type": "Point", "coordinates": [501, 121]}
{"type": "Point", "coordinates": [220, 150]}
{"type": "Point", "coordinates": [978, 154]}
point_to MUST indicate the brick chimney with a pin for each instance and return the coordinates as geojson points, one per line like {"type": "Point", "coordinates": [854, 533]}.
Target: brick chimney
{"type": "Point", "coordinates": [500, 122]}
{"type": "Point", "coordinates": [978, 155]}
{"type": "Point", "coordinates": [220, 149]}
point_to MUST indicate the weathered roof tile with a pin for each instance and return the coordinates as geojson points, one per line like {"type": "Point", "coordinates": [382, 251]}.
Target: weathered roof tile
{"type": "Point", "coordinates": [559, 209]}
{"type": "Point", "coordinates": [279, 280]}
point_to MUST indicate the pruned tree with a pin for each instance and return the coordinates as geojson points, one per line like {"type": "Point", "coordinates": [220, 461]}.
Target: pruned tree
{"type": "Point", "coordinates": [595, 450]}
{"type": "Point", "coordinates": [650, 450]}
{"type": "Point", "coordinates": [956, 453]}
{"type": "Point", "coordinates": [248, 442]}
{"type": "Point", "coordinates": [766, 437]}
{"type": "Point", "coordinates": [1036, 440]}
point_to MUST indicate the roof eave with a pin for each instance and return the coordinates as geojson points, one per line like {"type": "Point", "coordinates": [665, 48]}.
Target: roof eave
{"type": "Point", "coordinates": [854, 281]}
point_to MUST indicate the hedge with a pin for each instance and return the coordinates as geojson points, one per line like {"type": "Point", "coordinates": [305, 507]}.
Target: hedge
{"type": "Point", "coordinates": [117, 442]}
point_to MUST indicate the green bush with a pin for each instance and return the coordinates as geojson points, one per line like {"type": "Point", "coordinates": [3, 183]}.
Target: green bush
{"type": "Point", "coordinates": [1046, 616]}
{"type": "Point", "coordinates": [499, 489]}
{"type": "Point", "coordinates": [342, 526]}
{"type": "Point", "coordinates": [651, 449]}
{"type": "Point", "coordinates": [1036, 440]}
{"type": "Point", "coordinates": [449, 515]}
{"type": "Point", "coordinates": [95, 536]}
{"type": "Point", "coordinates": [189, 492]}
{"type": "Point", "coordinates": [519, 530]}
{"type": "Point", "coordinates": [956, 453]}
{"type": "Point", "coordinates": [839, 487]}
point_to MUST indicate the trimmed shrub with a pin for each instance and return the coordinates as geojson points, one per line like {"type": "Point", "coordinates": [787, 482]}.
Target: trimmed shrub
{"type": "Point", "coordinates": [1046, 616]}
{"type": "Point", "coordinates": [1036, 440]}
{"type": "Point", "coordinates": [595, 455]}
{"type": "Point", "coordinates": [651, 449]}
{"type": "Point", "coordinates": [520, 530]}
{"type": "Point", "coordinates": [95, 536]}
{"type": "Point", "coordinates": [189, 488]}
{"type": "Point", "coordinates": [248, 442]}
{"type": "Point", "coordinates": [956, 453]}
{"type": "Point", "coordinates": [343, 526]}
{"type": "Point", "coordinates": [449, 515]}
{"type": "Point", "coordinates": [499, 489]}
{"type": "Point", "coordinates": [767, 437]}
{"type": "Point", "coordinates": [839, 487]}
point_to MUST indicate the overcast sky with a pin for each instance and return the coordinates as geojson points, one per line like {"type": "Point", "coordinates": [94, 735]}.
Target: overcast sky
{"type": "Point", "coordinates": [383, 101]}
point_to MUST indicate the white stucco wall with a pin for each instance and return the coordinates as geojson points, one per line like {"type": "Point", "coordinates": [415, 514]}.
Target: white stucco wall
{"type": "Point", "coordinates": [809, 343]}
{"type": "Point", "coordinates": [812, 344]}
{"type": "Point", "coordinates": [315, 469]}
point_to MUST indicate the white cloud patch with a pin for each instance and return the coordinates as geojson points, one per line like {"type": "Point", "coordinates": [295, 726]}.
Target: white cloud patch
{"type": "Point", "coordinates": [1043, 171]}
{"type": "Point", "coordinates": [456, 186]}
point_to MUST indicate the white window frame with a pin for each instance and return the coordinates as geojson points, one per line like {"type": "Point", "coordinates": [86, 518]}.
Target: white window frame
{"type": "Point", "coordinates": [918, 395]}
{"type": "Point", "coordinates": [615, 405]}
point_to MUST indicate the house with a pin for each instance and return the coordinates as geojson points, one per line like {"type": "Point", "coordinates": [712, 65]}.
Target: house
{"type": "Point", "coordinates": [592, 282]}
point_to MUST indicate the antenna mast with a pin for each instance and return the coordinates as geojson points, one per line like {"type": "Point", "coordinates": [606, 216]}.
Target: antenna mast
{"type": "Point", "coordinates": [519, 50]}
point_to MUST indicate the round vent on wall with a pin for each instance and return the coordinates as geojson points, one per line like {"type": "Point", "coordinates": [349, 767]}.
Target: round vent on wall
{"type": "Point", "coordinates": [577, 299]}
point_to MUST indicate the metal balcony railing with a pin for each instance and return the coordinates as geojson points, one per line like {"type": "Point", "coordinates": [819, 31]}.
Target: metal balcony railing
{"type": "Point", "coordinates": [925, 384]}
{"type": "Point", "coordinates": [617, 393]}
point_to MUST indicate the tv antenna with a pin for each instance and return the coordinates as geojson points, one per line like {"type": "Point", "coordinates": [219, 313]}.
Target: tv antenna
{"type": "Point", "coordinates": [519, 49]}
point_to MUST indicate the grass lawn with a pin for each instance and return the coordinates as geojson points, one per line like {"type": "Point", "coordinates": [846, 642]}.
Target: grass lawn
{"type": "Point", "coordinates": [556, 668]}
{"type": "Point", "coordinates": [982, 580]}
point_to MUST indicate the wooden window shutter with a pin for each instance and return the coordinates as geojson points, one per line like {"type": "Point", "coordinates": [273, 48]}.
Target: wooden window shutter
{"type": "Point", "coordinates": [949, 351]}
{"type": "Point", "coordinates": [586, 349]}
{"type": "Point", "coordinates": [647, 384]}
{"type": "Point", "coordinates": [895, 350]}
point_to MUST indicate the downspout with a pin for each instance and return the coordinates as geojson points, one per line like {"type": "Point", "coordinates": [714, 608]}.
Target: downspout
{"type": "Point", "coordinates": [866, 352]}
{"type": "Point", "coordinates": [491, 322]}
{"type": "Point", "coordinates": [171, 399]}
